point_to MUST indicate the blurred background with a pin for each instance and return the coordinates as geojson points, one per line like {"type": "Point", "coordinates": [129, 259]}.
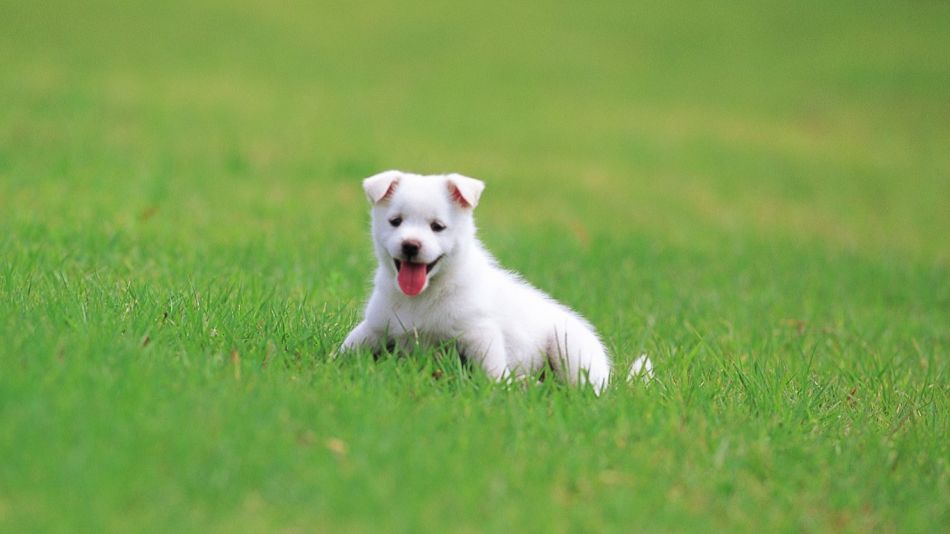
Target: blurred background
{"type": "Point", "coordinates": [810, 122]}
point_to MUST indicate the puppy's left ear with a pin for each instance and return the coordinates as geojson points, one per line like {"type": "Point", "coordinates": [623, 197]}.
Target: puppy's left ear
{"type": "Point", "coordinates": [380, 186]}
{"type": "Point", "coordinates": [464, 190]}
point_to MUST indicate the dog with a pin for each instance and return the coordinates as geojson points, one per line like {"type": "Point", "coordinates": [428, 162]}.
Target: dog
{"type": "Point", "coordinates": [436, 283]}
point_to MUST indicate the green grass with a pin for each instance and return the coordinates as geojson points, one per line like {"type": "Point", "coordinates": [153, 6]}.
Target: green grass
{"type": "Point", "coordinates": [757, 194]}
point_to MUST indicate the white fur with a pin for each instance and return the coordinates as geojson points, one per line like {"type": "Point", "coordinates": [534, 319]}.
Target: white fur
{"type": "Point", "coordinates": [642, 367]}
{"type": "Point", "coordinates": [497, 319]}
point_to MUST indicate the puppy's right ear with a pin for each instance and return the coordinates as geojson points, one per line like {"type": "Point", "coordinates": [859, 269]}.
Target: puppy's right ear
{"type": "Point", "coordinates": [464, 190]}
{"type": "Point", "coordinates": [380, 187]}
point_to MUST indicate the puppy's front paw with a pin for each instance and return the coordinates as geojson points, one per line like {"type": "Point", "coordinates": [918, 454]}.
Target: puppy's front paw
{"type": "Point", "coordinates": [360, 336]}
{"type": "Point", "coordinates": [346, 346]}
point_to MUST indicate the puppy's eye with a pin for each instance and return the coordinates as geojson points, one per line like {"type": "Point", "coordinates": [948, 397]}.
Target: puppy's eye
{"type": "Point", "coordinates": [395, 221]}
{"type": "Point", "coordinates": [437, 226]}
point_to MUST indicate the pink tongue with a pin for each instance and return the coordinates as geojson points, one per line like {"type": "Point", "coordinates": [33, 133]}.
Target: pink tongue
{"type": "Point", "coordinates": [412, 278]}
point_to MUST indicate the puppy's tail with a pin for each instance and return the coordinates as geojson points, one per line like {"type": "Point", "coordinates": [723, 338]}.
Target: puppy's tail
{"type": "Point", "coordinates": [641, 368]}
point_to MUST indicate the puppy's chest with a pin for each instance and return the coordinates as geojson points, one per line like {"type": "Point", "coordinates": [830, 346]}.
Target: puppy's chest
{"type": "Point", "coordinates": [432, 320]}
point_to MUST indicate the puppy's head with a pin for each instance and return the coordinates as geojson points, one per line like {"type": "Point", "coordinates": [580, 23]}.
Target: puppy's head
{"type": "Point", "coordinates": [419, 222]}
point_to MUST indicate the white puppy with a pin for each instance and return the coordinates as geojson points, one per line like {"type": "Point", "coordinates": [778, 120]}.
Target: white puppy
{"type": "Point", "coordinates": [437, 283]}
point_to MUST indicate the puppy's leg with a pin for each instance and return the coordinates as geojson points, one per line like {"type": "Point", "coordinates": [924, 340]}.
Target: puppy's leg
{"type": "Point", "coordinates": [362, 336]}
{"type": "Point", "coordinates": [579, 357]}
{"type": "Point", "coordinates": [485, 344]}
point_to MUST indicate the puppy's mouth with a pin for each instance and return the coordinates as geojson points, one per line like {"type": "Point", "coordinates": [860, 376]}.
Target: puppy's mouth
{"type": "Point", "coordinates": [412, 277]}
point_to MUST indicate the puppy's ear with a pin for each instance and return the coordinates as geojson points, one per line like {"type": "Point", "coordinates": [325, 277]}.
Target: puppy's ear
{"type": "Point", "coordinates": [380, 187]}
{"type": "Point", "coordinates": [464, 190]}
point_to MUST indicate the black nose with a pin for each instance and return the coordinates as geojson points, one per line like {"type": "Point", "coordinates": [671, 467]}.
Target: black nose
{"type": "Point", "coordinates": [410, 248]}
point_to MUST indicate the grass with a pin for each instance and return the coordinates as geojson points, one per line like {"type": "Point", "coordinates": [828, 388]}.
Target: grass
{"type": "Point", "coordinates": [756, 194]}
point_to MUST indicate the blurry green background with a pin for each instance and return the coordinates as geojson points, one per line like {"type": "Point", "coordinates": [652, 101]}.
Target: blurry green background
{"type": "Point", "coordinates": [814, 121]}
{"type": "Point", "coordinates": [723, 185]}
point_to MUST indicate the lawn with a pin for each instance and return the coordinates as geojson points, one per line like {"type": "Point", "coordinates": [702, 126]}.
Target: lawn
{"type": "Point", "coordinates": [757, 194]}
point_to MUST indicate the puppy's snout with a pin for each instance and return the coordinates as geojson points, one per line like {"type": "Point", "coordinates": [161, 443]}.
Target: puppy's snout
{"type": "Point", "coordinates": [410, 248]}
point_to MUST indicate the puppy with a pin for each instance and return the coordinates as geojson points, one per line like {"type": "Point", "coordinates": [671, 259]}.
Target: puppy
{"type": "Point", "coordinates": [436, 283]}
